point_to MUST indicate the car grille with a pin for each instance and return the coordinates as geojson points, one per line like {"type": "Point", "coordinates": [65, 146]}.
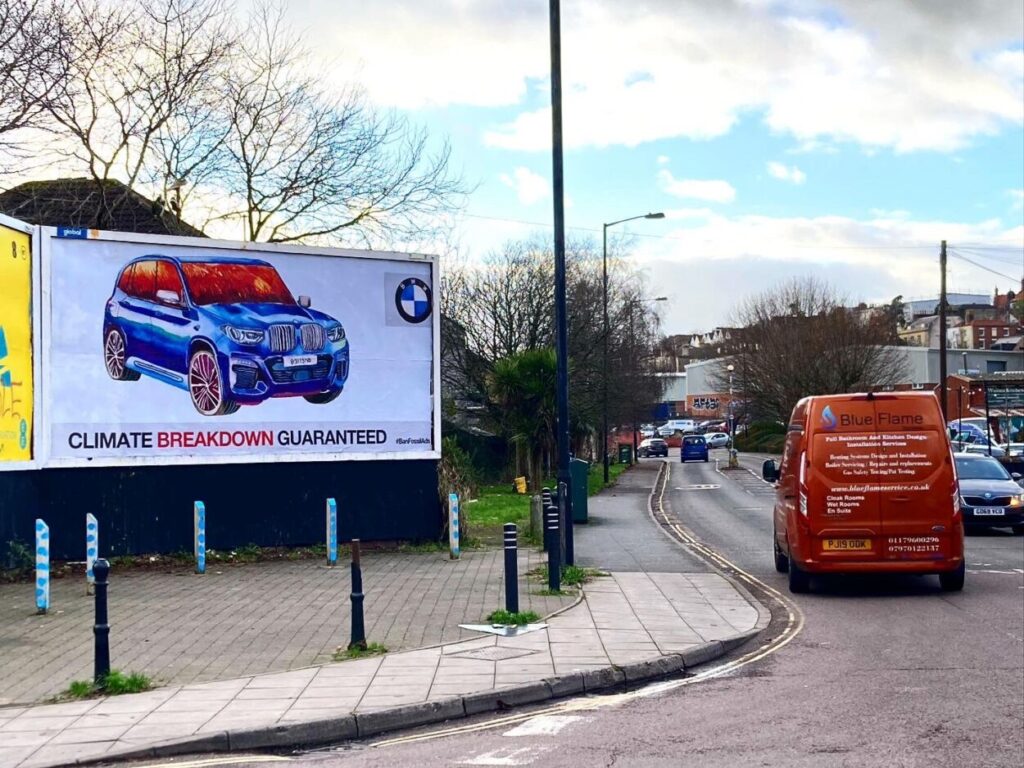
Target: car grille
{"type": "Point", "coordinates": [313, 337]}
{"type": "Point", "coordinates": [981, 501]}
{"type": "Point", "coordinates": [282, 375]}
{"type": "Point", "coordinates": [245, 376]}
{"type": "Point", "coordinates": [282, 338]}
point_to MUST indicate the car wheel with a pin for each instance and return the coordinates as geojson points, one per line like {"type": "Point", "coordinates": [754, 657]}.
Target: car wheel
{"type": "Point", "coordinates": [781, 560]}
{"type": "Point", "coordinates": [205, 385]}
{"type": "Point", "coordinates": [705, 458]}
{"type": "Point", "coordinates": [115, 357]}
{"type": "Point", "coordinates": [799, 579]}
{"type": "Point", "coordinates": [953, 581]}
{"type": "Point", "coordinates": [321, 398]}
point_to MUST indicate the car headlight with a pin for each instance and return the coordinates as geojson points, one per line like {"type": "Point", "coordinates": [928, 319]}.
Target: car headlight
{"type": "Point", "coordinates": [1017, 501]}
{"type": "Point", "coordinates": [247, 336]}
{"type": "Point", "coordinates": [336, 333]}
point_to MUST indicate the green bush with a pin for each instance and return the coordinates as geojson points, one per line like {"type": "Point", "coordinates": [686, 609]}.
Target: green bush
{"type": "Point", "coordinates": [762, 437]}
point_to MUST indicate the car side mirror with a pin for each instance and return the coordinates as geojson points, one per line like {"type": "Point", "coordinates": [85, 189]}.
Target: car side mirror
{"type": "Point", "coordinates": [1016, 475]}
{"type": "Point", "coordinates": [168, 297]}
{"type": "Point", "coordinates": [769, 472]}
{"type": "Point", "coordinates": [305, 302]}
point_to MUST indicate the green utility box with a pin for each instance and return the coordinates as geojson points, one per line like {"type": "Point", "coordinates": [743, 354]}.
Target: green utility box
{"type": "Point", "coordinates": [625, 453]}
{"type": "Point", "coordinates": [578, 471]}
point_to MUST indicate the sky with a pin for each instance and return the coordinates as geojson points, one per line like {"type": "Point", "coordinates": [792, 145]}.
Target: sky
{"type": "Point", "coordinates": [837, 138]}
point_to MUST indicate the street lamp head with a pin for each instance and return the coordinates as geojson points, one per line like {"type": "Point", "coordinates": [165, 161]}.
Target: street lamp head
{"type": "Point", "coordinates": [658, 215]}
{"type": "Point", "coordinates": [660, 298]}
{"type": "Point", "coordinates": [730, 368]}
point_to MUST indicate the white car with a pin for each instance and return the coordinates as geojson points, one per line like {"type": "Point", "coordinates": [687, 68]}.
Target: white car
{"type": "Point", "coordinates": [717, 440]}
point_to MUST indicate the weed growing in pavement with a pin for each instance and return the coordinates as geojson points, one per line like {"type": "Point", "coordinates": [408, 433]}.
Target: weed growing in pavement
{"type": "Point", "coordinates": [552, 593]}
{"type": "Point", "coordinates": [572, 575]}
{"type": "Point", "coordinates": [341, 653]}
{"type": "Point", "coordinates": [507, 617]}
{"type": "Point", "coordinates": [115, 683]}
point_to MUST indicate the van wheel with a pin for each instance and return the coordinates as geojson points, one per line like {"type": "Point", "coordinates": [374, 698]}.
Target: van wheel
{"type": "Point", "coordinates": [799, 579]}
{"type": "Point", "coordinates": [953, 581]}
{"type": "Point", "coordinates": [781, 560]}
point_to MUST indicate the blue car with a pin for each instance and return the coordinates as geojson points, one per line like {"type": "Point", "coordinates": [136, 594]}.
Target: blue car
{"type": "Point", "coordinates": [226, 330]}
{"type": "Point", "coordinates": [694, 448]}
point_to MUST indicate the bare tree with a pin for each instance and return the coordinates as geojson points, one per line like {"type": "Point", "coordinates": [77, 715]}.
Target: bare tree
{"type": "Point", "coordinates": [799, 339]}
{"type": "Point", "coordinates": [34, 41]}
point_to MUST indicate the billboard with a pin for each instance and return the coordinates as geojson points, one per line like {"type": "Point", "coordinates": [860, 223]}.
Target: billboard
{"type": "Point", "coordinates": [183, 350]}
{"type": "Point", "coordinates": [16, 374]}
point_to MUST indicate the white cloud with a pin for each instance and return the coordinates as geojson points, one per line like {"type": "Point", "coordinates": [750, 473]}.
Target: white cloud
{"type": "Point", "coordinates": [663, 159]}
{"type": "Point", "coordinates": [786, 173]}
{"type": "Point", "coordinates": [713, 190]}
{"type": "Point", "coordinates": [529, 187]}
{"type": "Point", "coordinates": [1017, 197]}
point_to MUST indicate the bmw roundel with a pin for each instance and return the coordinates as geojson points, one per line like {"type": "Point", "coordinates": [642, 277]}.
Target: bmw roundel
{"type": "Point", "coordinates": [413, 300]}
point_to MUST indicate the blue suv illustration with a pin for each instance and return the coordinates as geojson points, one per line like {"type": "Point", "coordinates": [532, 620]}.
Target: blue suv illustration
{"type": "Point", "coordinates": [227, 330]}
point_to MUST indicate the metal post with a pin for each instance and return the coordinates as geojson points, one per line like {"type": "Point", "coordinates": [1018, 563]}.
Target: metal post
{"type": "Point", "coordinates": [454, 527]}
{"type": "Point", "coordinates": [565, 509]}
{"type": "Point", "coordinates": [42, 567]}
{"type": "Point", "coordinates": [943, 395]}
{"type": "Point", "coordinates": [554, 561]}
{"type": "Point", "coordinates": [332, 532]}
{"type": "Point", "coordinates": [92, 548]}
{"type": "Point", "coordinates": [558, 197]}
{"type": "Point", "coordinates": [101, 630]}
{"type": "Point", "coordinates": [199, 521]}
{"type": "Point", "coordinates": [358, 637]}
{"type": "Point", "coordinates": [988, 425]}
{"type": "Point", "coordinates": [511, 568]}
{"type": "Point", "coordinates": [546, 500]}
{"type": "Point", "coordinates": [604, 358]}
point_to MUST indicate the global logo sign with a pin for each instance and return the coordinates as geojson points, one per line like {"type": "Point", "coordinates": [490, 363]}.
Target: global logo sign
{"type": "Point", "coordinates": [413, 300]}
{"type": "Point", "coordinates": [828, 419]}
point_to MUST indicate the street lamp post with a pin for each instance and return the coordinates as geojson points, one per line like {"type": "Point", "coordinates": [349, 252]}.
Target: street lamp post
{"type": "Point", "coordinates": [733, 461]}
{"type": "Point", "coordinates": [604, 284]}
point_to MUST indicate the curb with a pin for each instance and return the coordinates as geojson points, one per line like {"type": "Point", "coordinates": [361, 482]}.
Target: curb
{"type": "Point", "coordinates": [359, 726]}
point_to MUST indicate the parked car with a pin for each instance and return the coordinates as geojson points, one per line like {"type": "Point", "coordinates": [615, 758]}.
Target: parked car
{"type": "Point", "coordinates": [226, 330]}
{"type": "Point", "coordinates": [694, 448]}
{"type": "Point", "coordinates": [685, 426]}
{"type": "Point", "coordinates": [989, 495]}
{"type": "Point", "coordinates": [980, 447]}
{"type": "Point", "coordinates": [653, 446]}
{"type": "Point", "coordinates": [717, 439]}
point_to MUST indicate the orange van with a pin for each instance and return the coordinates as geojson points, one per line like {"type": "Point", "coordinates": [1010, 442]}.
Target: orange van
{"type": "Point", "coordinates": [867, 484]}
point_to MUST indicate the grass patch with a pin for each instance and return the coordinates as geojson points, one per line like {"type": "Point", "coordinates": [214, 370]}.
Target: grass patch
{"type": "Point", "coordinates": [506, 617]}
{"type": "Point", "coordinates": [116, 683]}
{"type": "Point", "coordinates": [496, 505]}
{"type": "Point", "coordinates": [372, 649]}
{"type": "Point", "coordinates": [572, 576]}
{"type": "Point", "coordinates": [595, 478]}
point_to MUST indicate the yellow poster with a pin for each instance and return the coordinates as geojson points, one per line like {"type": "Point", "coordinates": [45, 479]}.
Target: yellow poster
{"type": "Point", "coordinates": [15, 345]}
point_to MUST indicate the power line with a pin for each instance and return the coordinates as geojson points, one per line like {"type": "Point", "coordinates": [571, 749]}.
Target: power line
{"type": "Point", "coordinates": [1011, 260]}
{"type": "Point", "coordinates": [957, 255]}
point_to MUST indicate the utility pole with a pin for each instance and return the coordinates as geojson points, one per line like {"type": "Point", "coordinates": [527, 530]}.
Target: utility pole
{"type": "Point", "coordinates": [943, 394]}
{"type": "Point", "coordinates": [558, 193]}
{"type": "Point", "coordinates": [604, 359]}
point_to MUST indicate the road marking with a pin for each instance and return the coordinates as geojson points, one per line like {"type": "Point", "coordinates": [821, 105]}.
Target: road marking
{"type": "Point", "coordinates": [543, 725]}
{"type": "Point", "coordinates": [1014, 572]}
{"type": "Point", "coordinates": [212, 761]}
{"type": "Point", "coordinates": [698, 487]}
{"type": "Point", "coordinates": [507, 756]}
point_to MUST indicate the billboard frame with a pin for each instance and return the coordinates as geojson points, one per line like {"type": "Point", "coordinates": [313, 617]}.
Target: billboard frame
{"type": "Point", "coordinates": [34, 347]}
{"type": "Point", "coordinates": [42, 329]}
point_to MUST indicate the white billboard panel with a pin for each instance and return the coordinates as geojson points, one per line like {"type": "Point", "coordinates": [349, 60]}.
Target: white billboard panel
{"type": "Point", "coordinates": [182, 350]}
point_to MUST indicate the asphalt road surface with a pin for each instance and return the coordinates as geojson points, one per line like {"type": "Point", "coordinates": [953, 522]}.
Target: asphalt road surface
{"type": "Point", "coordinates": [885, 672]}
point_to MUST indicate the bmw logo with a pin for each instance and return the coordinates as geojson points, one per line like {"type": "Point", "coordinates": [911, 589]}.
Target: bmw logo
{"type": "Point", "coordinates": [413, 301]}
{"type": "Point", "coordinates": [988, 495]}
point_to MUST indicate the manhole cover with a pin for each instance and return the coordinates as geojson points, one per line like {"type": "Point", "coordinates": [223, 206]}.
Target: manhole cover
{"type": "Point", "coordinates": [494, 653]}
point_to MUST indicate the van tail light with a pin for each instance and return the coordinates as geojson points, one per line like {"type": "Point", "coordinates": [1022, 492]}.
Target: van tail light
{"type": "Point", "coordinates": [956, 486]}
{"type": "Point", "coordinates": [803, 483]}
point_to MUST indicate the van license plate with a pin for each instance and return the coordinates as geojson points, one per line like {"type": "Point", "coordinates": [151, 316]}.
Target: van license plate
{"type": "Point", "coordinates": [845, 545]}
{"type": "Point", "coordinates": [297, 361]}
{"type": "Point", "coordinates": [988, 511]}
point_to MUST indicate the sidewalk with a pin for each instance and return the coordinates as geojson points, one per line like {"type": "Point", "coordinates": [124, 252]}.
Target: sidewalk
{"type": "Point", "coordinates": [637, 623]}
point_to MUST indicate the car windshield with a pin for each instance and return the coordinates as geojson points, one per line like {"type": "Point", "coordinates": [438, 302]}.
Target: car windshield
{"type": "Point", "coordinates": [234, 283]}
{"type": "Point", "coordinates": [981, 469]}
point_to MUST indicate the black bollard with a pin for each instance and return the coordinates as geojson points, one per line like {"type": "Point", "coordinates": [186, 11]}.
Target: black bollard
{"type": "Point", "coordinates": [511, 568]}
{"type": "Point", "coordinates": [358, 639]}
{"type": "Point", "coordinates": [554, 550]}
{"type": "Point", "coordinates": [546, 500]}
{"type": "Point", "coordinates": [101, 630]}
{"type": "Point", "coordinates": [565, 507]}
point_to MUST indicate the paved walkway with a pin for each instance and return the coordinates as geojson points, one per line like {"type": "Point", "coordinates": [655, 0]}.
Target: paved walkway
{"type": "Point", "coordinates": [237, 620]}
{"type": "Point", "coordinates": [626, 619]}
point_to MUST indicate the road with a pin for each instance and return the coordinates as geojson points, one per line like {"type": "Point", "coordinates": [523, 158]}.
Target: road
{"type": "Point", "coordinates": [885, 672]}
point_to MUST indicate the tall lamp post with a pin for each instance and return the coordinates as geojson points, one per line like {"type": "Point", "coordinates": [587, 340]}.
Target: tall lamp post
{"type": "Point", "coordinates": [733, 460]}
{"type": "Point", "coordinates": [632, 336]}
{"type": "Point", "coordinates": [604, 283]}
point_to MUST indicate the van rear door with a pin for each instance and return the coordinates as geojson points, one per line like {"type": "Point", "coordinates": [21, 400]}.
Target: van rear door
{"type": "Point", "coordinates": [916, 479]}
{"type": "Point", "coordinates": [842, 501]}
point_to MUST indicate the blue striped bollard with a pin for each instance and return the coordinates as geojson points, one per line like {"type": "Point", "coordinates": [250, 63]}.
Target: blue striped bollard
{"type": "Point", "coordinates": [42, 567]}
{"type": "Point", "coordinates": [92, 548]}
{"type": "Point", "coordinates": [332, 532]}
{"type": "Point", "coordinates": [454, 527]}
{"type": "Point", "coordinates": [199, 514]}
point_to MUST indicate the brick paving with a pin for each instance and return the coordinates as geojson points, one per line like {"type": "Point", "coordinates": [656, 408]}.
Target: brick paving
{"type": "Point", "coordinates": [242, 620]}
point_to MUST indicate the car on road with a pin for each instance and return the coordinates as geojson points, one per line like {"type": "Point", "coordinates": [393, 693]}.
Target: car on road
{"type": "Point", "coordinates": [694, 448]}
{"type": "Point", "coordinates": [989, 495]}
{"type": "Point", "coordinates": [717, 439]}
{"type": "Point", "coordinates": [652, 447]}
{"type": "Point", "coordinates": [980, 446]}
{"type": "Point", "coordinates": [226, 330]}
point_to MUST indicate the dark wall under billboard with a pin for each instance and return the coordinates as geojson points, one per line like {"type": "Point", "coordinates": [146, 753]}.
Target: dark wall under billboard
{"type": "Point", "coordinates": [148, 509]}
